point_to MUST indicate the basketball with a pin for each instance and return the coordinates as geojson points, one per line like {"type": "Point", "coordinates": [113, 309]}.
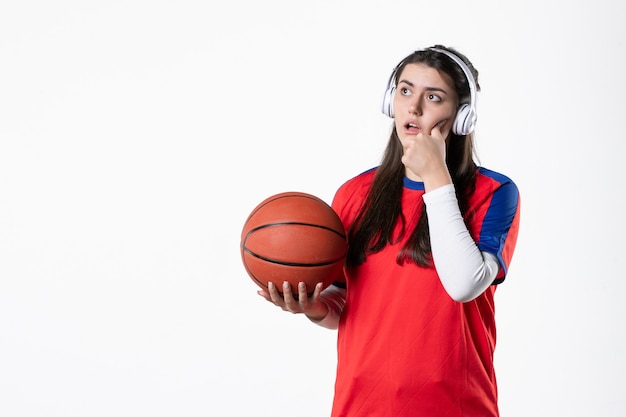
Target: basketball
{"type": "Point", "coordinates": [294, 237]}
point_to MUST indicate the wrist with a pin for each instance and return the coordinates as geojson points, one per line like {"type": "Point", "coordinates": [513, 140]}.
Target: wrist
{"type": "Point", "coordinates": [320, 313]}
{"type": "Point", "coordinates": [437, 180]}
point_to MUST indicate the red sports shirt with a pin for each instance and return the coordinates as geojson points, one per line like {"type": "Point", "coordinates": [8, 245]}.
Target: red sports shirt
{"type": "Point", "coordinates": [405, 348]}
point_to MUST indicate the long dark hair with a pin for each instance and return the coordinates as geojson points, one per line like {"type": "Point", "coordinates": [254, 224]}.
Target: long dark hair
{"type": "Point", "coordinates": [373, 227]}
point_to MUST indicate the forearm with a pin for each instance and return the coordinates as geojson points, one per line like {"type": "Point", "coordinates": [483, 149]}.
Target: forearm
{"type": "Point", "coordinates": [464, 271]}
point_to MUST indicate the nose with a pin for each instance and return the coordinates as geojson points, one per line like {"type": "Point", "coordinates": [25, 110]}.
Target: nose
{"type": "Point", "coordinates": [416, 107]}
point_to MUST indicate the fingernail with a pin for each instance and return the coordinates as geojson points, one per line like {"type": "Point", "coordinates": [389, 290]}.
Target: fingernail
{"type": "Point", "coordinates": [285, 285]}
{"type": "Point", "coordinates": [270, 285]}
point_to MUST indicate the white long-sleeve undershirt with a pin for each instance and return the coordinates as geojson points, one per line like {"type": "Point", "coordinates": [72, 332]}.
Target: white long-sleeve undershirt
{"type": "Point", "coordinates": [465, 271]}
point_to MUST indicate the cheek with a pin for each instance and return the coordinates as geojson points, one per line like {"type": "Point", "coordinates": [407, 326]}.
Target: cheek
{"type": "Point", "coordinates": [397, 124]}
{"type": "Point", "coordinates": [398, 107]}
{"type": "Point", "coordinates": [449, 117]}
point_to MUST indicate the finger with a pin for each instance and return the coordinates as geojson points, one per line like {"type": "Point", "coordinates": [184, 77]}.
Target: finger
{"type": "Point", "coordinates": [274, 294]}
{"type": "Point", "coordinates": [290, 301]}
{"type": "Point", "coordinates": [436, 130]}
{"type": "Point", "coordinates": [317, 291]}
{"type": "Point", "coordinates": [302, 294]}
{"type": "Point", "coordinates": [264, 294]}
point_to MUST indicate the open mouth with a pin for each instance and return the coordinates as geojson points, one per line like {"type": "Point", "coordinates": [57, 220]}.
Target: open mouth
{"type": "Point", "coordinates": [411, 127]}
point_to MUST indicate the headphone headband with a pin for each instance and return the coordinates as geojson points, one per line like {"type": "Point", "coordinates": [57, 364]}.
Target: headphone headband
{"type": "Point", "coordinates": [465, 119]}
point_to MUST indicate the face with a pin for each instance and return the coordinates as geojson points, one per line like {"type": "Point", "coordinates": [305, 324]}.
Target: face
{"type": "Point", "coordinates": [424, 97]}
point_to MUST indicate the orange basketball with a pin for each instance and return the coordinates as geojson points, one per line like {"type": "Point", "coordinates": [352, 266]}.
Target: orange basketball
{"type": "Point", "coordinates": [294, 237]}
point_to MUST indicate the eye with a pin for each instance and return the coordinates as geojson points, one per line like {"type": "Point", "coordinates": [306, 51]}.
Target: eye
{"type": "Point", "coordinates": [434, 97]}
{"type": "Point", "coordinates": [405, 91]}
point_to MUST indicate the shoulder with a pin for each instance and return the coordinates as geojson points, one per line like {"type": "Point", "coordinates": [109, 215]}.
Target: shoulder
{"type": "Point", "coordinates": [353, 192]}
{"type": "Point", "coordinates": [490, 181]}
{"type": "Point", "coordinates": [496, 194]}
{"type": "Point", "coordinates": [362, 181]}
{"type": "Point", "coordinates": [493, 176]}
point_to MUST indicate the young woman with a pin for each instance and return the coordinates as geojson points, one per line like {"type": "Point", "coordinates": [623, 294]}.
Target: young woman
{"type": "Point", "coordinates": [430, 235]}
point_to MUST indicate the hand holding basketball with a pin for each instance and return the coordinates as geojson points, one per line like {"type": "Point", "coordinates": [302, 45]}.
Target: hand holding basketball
{"type": "Point", "coordinates": [311, 306]}
{"type": "Point", "coordinates": [293, 237]}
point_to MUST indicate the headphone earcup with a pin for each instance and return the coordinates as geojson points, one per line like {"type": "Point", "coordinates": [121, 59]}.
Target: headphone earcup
{"type": "Point", "coordinates": [387, 107]}
{"type": "Point", "coordinates": [464, 121]}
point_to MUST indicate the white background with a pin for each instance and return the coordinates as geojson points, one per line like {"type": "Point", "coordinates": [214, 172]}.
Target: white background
{"type": "Point", "coordinates": [136, 136]}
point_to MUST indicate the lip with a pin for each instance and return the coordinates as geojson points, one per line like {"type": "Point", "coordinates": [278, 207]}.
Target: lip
{"type": "Point", "coordinates": [411, 127]}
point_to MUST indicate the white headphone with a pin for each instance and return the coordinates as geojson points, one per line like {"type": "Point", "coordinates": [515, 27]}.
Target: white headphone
{"type": "Point", "coordinates": [465, 119]}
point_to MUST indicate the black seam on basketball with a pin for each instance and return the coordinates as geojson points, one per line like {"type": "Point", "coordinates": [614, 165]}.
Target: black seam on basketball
{"type": "Point", "coordinates": [307, 265]}
{"type": "Point", "coordinates": [275, 261]}
{"type": "Point", "coordinates": [280, 291]}
{"type": "Point", "coordinates": [262, 284]}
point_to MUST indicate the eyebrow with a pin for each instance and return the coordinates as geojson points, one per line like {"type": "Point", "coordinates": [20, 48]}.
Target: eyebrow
{"type": "Point", "coordinates": [427, 88]}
